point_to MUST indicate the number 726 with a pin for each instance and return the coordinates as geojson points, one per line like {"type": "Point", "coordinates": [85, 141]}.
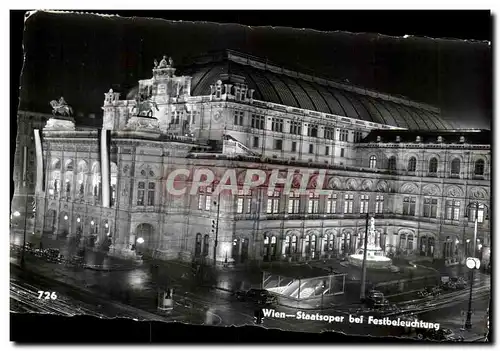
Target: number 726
{"type": "Point", "coordinates": [48, 295]}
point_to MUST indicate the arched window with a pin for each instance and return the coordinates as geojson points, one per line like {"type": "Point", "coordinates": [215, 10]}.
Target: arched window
{"type": "Point", "coordinates": [313, 243]}
{"type": "Point", "coordinates": [114, 179]}
{"type": "Point", "coordinates": [288, 241]}
{"type": "Point", "coordinates": [273, 246]}
{"type": "Point", "coordinates": [433, 165]}
{"type": "Point", "coordinates": [373, 161]}
{"type": "Point", "coordinates": [455, 167]}
{"type": "Point", "coordinates": [412, 164]}
{"type": "Point", "coordinates": [479, 167]}
{"type": "Point", "coordinates": [197, 248]}
{"type": "Point", "coordinates": [294, 244]}
{"type": "Point", "coordinates": [391, 164]}
{"type": "Point", "coordinates": [205, 245]}
{"type": "Point", "coordinates": [402, 241]}
{"type": "Point", "coordinates": [409, 242]}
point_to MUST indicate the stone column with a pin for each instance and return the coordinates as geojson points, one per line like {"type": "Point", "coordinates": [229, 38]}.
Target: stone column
{"type": "Point", "coordinates": [105, 179]}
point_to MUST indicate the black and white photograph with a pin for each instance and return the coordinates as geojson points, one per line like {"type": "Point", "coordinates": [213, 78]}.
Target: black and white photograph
{"type": "Point", "coordinates": [310, 180]}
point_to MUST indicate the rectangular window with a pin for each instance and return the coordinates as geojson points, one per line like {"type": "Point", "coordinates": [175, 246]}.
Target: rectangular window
{"type": "Point", "coordinates": [343, 135]}
{"type": "Point", "coordinates": [278, 144]}
{"type": "Point", "coordinates": [363, 204]}
{"type": "Point", "coordinates": [480, 213]}
{"type": "Point", "coordinates": [239, 205]}
{"type": "Point", "coordinates": [277, 125]}
{"type": "Point", "coordinates": [177, 117]}
{"type": "Point", "coordinates": [201, 201]}
{"type": "Point", "coordinates": [255, 142]}
{"type": "Point", "coordinates": [349, 199]}
{"type": "Point", "coordinates": [331, 203]}
{"type": "Point", "coordinates": [358, 136]}
{"type": "Point", "coordinates": [330, 133]}
{"type": "Point", "coordinates": [313, 205]}
{"type": "Point", "coordinates": [341, 152]}
{"type": "Point", "coordinates": [208, 199]}
{"type": "Point", "coordinates": [294, 146]}
{"type": "Point", "coordinates": [327, 150]}
{"type": "Point", "coordinates": [238, 118]}
{"type": "Point", "coordinates": [151, 194]}
{"type": "Point", "coordinates": [312, 130]}
{"type": "Point", "coordinates": [311, 148]}
{"type": "Point", "coordinates": [140, 193]}
{"type": "Point", "coordinates": [273, 202]}
{"type": "Point", "coordinates": [430, 207]}
{"type": "Point", "coordinates": [409, 205]}
{"type": "Point", "coordinates": [294, 203]}
{"type": "Point", "coordinates": [296, 128]}
{"type": "Point", "coordinates": [379, 204]}
{"type": "Point", "coordinates": [258, 121]}
{"type": "Point", "coordinates": [452, 210]}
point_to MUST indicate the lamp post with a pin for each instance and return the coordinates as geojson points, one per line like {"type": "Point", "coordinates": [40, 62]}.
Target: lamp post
{"type": "Point", "coordinates": [363, 267]}
{"type": "Point", "coordinates": [472, 263]}
{"type": "Point", "coordinates": [24, 231]}
{"type": "Point", "coordinates": [216, 229]}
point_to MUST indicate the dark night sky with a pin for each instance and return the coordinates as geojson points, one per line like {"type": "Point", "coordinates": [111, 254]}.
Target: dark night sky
{"type": "Point", "coordinates": [81, 56]}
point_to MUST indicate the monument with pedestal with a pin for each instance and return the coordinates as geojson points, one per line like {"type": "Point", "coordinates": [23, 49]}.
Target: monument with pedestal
{"type": "Point", "coordinates": [375, 256]}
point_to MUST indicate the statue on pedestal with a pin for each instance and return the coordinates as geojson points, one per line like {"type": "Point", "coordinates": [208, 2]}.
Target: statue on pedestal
{"type": "Point", "coordinates": [61, 107]}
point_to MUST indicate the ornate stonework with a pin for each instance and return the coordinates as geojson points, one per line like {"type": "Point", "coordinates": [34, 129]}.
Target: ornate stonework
{"type": "Point", "coordinates": [430, 189]}
{"type": "Point", "coordinates": [382, 186]}
{"type": "Point", "coordinates": [334, 183]}
{"type": "Point", "coordinates": [367, 185]}
{"type": "Point", "coordinates": [454, 191]}
{"type": "Point", "coordinates": [478, 193]}
{"type": "Point", "coordinates": [351, 184]}
{"type": "Point", "coordinates": [409, 188]}
{"type": "Point", "coordinates": [143, 124]}
{"type": "Point", "coordinates": [59, 124]}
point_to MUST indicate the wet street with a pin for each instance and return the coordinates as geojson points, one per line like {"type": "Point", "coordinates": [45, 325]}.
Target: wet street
{"type": "Point", "coordinates": [132, 293]}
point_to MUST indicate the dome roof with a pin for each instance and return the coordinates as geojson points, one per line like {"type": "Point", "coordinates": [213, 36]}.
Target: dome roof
{"type": "Point", "coordinates": [281, 86]}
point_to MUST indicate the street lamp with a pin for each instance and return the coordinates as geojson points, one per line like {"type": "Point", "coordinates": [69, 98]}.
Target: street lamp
{"type": "Point", "coordinates": [472, 263]}
{"type": "Point", "coordinates": [16, 214]}
{"type": "Point", "coordinates": [215, 229]}
{"type": "Point", "coordinates": [363, 267]}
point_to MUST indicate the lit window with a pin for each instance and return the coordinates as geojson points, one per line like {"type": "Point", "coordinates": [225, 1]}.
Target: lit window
{"type": "Point", "coordinates": [313, 204]}
{"type": "Point", "coordinates": [373, 162]}
{"type": "Point", "coordinates": [140, 193]}
{"type": "Point", "coordinates": [273, 202]}
{"type": "Point", "coordinates": [379, 204]}
{"type": "Point", "coordinates": [331, 203]}
{"type": "Point", "coordinates": [348, 203]}
{"type": "Point", "coordinates": [293, 203]}
{"type": "Point", "coordinates": [363, 204]}
{"type": "Point", "coordinates": [151, 194]}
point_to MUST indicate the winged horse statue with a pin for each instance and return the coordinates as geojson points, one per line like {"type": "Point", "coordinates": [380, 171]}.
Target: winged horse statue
{"type": "Point", "coordinates": [61, 107]}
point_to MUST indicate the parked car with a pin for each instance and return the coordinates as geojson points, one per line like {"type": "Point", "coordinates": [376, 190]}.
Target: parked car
{"type": "Point", "coordinates": [260, 296]}
{"type": "Point", "coordinates": [53, 255]}
{"type": "Point", "coordinates": [443, 334]}
{"type": "Point", "coordinates": [376, 299]}
{"type": "Point", "coordinates": [430, 291]}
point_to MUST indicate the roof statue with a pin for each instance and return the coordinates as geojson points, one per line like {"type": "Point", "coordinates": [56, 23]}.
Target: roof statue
{"type": "Point", "coordinates": [163, 62]}
{"type": "Point", "coordinates": [61, 107]}
{"type": "Point", "coordinates": [170, 62]}
{"type": "Point", "coordinates": [155, 63]}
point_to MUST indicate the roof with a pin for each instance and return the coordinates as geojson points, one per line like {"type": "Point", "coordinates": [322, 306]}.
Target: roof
{"type": "Point", "coordinates": [471, 136]}
{"type": "Point", "coordinates": [282, 86]}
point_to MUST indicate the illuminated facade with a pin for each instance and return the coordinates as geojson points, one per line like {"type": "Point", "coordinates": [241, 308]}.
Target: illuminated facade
{"type": "Point", "coordinates": [388, 156]}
